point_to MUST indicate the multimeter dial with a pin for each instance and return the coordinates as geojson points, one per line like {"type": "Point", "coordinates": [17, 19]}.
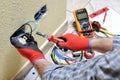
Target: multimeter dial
{"type": "Point", "coordinates": [85, 26]}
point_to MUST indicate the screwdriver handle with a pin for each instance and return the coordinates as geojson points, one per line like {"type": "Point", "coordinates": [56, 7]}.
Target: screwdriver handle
{"type": "Point", "coordinates": [54, 39]}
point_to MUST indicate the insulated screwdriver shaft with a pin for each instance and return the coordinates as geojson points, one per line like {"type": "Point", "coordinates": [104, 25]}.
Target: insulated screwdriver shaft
{"type": "Point", "coordinates": [42, 34]}
{"type": "Point", "coordinates": [49, 37]}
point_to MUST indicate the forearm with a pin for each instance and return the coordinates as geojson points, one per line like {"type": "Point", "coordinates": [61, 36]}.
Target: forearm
{"type": "Point", "coordinates": [41, 65]}
{"type": "Point", "coordinates": [101, 44]}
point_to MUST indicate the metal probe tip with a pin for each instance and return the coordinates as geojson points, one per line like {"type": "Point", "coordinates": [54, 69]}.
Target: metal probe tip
{"type": "Point", "coordinates": [38, 33]}
{"type": "Point", "coordinates": [42, 34]}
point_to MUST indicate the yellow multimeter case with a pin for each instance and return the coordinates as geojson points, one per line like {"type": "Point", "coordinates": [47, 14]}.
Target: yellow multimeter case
{"type": "Point", "coordinates": [83, 24]}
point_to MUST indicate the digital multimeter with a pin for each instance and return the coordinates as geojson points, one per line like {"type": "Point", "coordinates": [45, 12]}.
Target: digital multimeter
{"type": "Point", "coordinates": [83, 24]}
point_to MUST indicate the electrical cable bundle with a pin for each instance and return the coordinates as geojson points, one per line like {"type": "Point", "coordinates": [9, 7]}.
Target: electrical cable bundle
{"type": "Point", "coordinates": [65, 56]}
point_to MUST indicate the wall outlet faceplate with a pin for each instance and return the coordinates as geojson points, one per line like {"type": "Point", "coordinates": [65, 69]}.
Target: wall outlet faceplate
{"type": "Point", "coordinates": [32, 75]}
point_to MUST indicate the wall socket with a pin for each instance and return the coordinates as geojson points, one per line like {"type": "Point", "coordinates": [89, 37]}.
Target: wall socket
{"type": "Point", "coordinates": [32, 75]}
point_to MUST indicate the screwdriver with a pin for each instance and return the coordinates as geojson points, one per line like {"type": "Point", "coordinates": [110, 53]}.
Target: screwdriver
{"type": "Point", "coordinates": [49, 37]}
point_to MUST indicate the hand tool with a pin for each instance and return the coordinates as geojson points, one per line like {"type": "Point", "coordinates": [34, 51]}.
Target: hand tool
{"type": "Point", "coordinates": [49, 37]}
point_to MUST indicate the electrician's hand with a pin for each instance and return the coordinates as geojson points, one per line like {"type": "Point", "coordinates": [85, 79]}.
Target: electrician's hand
{"type": "Point", "coordinates": [26, 45]}
{"type": "Point", "coordinates": [74, 42]}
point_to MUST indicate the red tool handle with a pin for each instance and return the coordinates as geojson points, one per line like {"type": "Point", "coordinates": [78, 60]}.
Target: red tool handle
{"type": "Point", "coordinates": [54, 39]}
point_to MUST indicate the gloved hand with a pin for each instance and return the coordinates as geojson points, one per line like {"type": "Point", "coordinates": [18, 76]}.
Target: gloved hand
{"type": "Point", "coordinates": [74, 42]}
{"type": "Point", "coordinates": [26, 45]}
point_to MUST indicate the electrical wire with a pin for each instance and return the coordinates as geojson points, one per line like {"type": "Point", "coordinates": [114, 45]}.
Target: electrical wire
{"type": "Point", "coordinates": [58, 56]}
{"type": "Point", "coordinates": [24, 26]}
{"type": "Point", "coordinates": [106, 35]}
{"type": "Point", "coordinates": [39, 15]}
{"type": "Point", "coordinates": [33, 23]}
{"type": "Point", "coordinates": [106, 32]}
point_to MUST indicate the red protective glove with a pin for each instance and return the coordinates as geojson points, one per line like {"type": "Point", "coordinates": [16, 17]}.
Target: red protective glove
{"type": "Point", "coordinates": [74, 42]}
{"type": "Point", "coordinates": [26, 45]}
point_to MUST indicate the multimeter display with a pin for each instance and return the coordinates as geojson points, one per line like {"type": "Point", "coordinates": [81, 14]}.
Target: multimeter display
{"type": "Point", "coordinates": [82, 16]}
{"type": "Point", "coordinates": [83, 23]}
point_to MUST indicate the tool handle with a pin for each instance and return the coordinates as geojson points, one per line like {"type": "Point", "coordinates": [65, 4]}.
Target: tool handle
{"type": "Point", "coordinates": [54, 39]}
